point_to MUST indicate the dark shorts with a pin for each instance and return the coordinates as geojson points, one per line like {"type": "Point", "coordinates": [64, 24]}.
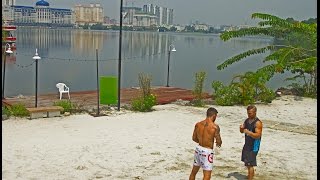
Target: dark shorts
{"type": "Point", "coordinates": [249, 157]}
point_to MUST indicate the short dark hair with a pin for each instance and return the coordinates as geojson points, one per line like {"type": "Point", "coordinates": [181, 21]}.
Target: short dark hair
{"type": "Point", "coordinates": [211, 111]}
{"type": "Point", "coordinates": [252, 107]}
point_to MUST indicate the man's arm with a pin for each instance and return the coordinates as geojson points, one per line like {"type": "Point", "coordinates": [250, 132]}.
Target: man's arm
{"type": "Point", "coordinates": [218, 137]}
{"type": "Point", "coordinates": [194, 136]}
{"type": "Point", "coordinates": [258, 131]}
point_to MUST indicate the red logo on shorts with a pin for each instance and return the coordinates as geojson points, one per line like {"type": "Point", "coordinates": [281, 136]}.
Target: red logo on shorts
{"type": "Point", "coordinates": [210, 158]}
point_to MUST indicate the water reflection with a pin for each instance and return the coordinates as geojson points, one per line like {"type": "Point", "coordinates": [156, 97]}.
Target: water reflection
{"type": "Point", "coordinates": [84, 42]}
{"type": "Point", "coordinates": [62, 49]}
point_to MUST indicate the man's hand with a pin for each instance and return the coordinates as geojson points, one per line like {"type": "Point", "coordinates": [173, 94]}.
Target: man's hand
{"type": "Point", "coordinates": [241, 128]}
{"type": "Point", "coordinates": [218, 145]}
{"type": "Point", "coordinates": [246, 131]}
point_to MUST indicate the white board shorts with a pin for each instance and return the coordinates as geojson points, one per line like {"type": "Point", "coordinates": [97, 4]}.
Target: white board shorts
{"type": "Point", "coordinates": [203, 157]}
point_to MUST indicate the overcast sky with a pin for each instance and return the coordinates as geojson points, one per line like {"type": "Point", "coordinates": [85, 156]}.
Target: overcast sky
{"type": "Point", "coordinates": [213, 12]}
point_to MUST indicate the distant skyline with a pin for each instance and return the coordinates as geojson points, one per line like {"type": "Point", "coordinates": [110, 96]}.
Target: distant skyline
{"type": "Point", "coordinates": [213, 12]}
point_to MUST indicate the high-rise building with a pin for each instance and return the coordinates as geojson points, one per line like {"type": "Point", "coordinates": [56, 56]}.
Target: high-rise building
{"type": "Point", "coordinates": [157, 13]}
{"type": "Point", "coordinates": [170, 17]}
{"type": "Point", "coordinates": [106, 20]}
{"type": "Point", "coordinates": [8, 3]}
{"type": "Point", "coordinates": [148, 8]}
{"type": "Point", "coordinates": [164, 15]}
{"type": "Point", "coordinates": [135, 16]}
{"type": "Point", "coordinates": [148, 15]}
{"type": "Point", "coordinates": [91, 14]}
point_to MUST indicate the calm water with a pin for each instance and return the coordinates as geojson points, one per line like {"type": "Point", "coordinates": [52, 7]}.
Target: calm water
{"type": "Point", "coordinates": [70, 56]}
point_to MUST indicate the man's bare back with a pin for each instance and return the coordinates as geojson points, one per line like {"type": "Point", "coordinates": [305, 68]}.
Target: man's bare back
{"type": "Point", "coordinates": [206, 132]}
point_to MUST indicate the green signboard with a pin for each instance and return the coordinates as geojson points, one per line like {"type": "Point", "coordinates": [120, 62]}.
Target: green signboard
{"type": "Point", "coordinates": [108, 90]}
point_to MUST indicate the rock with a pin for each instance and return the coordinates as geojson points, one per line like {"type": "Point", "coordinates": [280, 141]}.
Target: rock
{"type": "Point", "coordinates": [181, 102]}
{"type": "Point", "coordinates": [286, 91]}
{"type": "Point", "coordinates": [67, 113]}
{"type": "Point", "coordinates": [20, 96]}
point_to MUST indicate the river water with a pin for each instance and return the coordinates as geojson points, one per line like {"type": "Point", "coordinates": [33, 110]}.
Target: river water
{"type": "Point", "coordinates": [69, 56]}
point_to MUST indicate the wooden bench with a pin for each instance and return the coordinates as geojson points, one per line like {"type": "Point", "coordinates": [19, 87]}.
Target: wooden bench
{"type": "Point", "coordinates": [40, 112]}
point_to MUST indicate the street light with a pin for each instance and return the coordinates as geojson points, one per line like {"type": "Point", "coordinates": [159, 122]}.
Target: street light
{"type": "Point", "coordinates": [9, 51]}
{"type": "Point", "coordinates": [119, 62]}
{"type": "Point", "coordinates": [36, 57]}
{"type": "Point", "coordinates": [173, 49]}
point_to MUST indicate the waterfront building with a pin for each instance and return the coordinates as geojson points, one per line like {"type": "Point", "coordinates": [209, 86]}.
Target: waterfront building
{"type": "Point", "coordinates": [143, 19]}
{"type": "Point", "coordinates": [179, 27]}
{"type": "Point", "coordinates": [164, 15]}
{"type": "Point", "coordinates": [106, 20]}
{"type": "Point", "coordinates": [88, 14]}
{"type": "Point", "coordinates": [169, 16]}
{"type": "Point", "coordinates": [8, 2]}
{"type": "Point", "coordinates": [41, 14]}
{"type": "Point", "coordinates": [199, 26]}
{"type": "Point", "coordinates": [134, 16]}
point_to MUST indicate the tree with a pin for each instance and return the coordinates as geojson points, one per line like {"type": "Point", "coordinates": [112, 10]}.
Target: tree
{"type": "Point", "coordinates": [86, 26]}
{"type": "Point", "coordinates": [173, 29]}
{"type": "Point", "coordinates": [189, 29]}
{"type": "Point", "coordinates": [289, 55]}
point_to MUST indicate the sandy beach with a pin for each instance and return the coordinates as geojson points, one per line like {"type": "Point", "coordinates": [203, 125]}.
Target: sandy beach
{"type": "Point", "coordinates": [158, 146]}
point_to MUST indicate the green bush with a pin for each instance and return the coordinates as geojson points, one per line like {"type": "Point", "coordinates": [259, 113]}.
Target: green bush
{"type": "Point", "coordinates": [197, 103]}
{"type": "Point", "coordinates": [65, 104]}
{"type": "Point", "coordinates": [266, 96]}
{"type": "Point", "coordinates": [304, 90]}
{"type": "Point", "coordinates": [147, 100]}
{"type": "Point", "coordinates": [226, 95]}
{"type": "Point", "coordinates": [18, 110]}
{"type": "Point", "coordinates": [236, 94]}
{"type": "Point", "coordinates": [6, 111]}
{"type": "Point", "coordinates": [198, 89]}
{"type": "Point", "coordinates": [144, 104]}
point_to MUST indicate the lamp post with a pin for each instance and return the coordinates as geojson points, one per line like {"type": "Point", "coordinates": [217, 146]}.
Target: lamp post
{"type": "Point", "coordinates": [119, 62]}
{"type": "Point", "coordinates": [98, 91]}
{"type": "Point", "coordinates": [36, 57]}
{"type": "Point", "coordinates": [9, 51]}
{"type": "Point", "coordinates": [173, 49]}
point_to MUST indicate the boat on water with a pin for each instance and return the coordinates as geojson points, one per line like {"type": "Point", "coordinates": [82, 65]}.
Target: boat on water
{"type": "Point", "coordinates": [10, 38]}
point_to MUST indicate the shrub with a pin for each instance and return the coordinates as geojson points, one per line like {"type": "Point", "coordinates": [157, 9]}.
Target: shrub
{"type": "Point", "coordinates": [198, 89]}
{"type": "Point", "coordinates": [18, 110]}
{"type": "Point", "coordinates": [304, 90]}
{"type": "Point", "coordinates": [226, 95]}
{"type": "Point", "coordinates": [6, 111]}
{"type": "Point", "coordinates": [145, 84]}
{"type": "Point", "coordinates": [266, 96]}
{"type": "Point", "coordinates": [238, 93]}
{"type": "Point", "coordinates": [197, 103]}
{"type": "Point", "coordinates": [147, 100]}
{"type": "Point", "coordinates": [65, 104]}
{"type": "Point", "coordinates": [144, 104]}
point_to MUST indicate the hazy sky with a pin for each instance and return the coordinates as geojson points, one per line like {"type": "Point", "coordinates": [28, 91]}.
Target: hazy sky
{"type": "Point", "coordinates": [213, 12]}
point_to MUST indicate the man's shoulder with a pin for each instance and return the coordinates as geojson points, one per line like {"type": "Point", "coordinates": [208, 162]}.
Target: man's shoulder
{"type": "Point", "coordinates": [199, 122]}
{"type": "Point", "coordinates": [216, 126]}
{"type": "Point", "coordinates": [259, 121]}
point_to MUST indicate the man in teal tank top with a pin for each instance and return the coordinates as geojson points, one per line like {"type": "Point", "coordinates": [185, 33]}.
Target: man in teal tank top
{"type": "Point", "coordinates": [252, 127]}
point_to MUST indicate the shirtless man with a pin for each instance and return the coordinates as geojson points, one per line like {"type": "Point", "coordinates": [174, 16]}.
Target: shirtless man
{"type": "Point", "coordinates": [252, 127]}
{"type": "Point", "coordinates": [205, 132]}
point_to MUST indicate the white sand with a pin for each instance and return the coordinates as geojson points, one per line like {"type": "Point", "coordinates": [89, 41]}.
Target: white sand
{"type": "Point", "coordinates": [158, 145]}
